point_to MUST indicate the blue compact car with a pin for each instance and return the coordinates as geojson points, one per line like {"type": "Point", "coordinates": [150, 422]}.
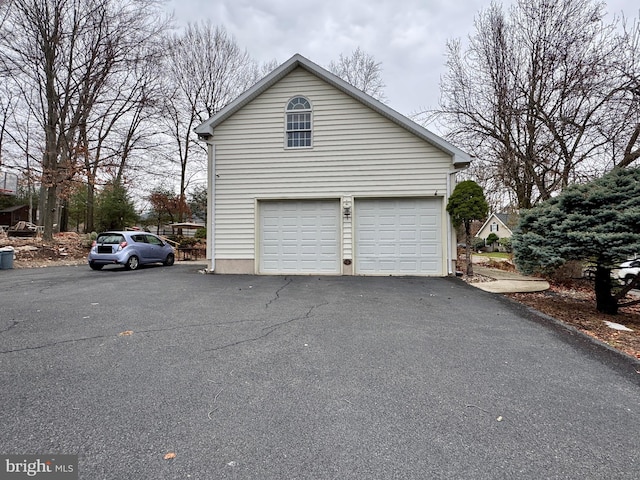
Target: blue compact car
{"type": "Point", "coordinates": [130, 249]}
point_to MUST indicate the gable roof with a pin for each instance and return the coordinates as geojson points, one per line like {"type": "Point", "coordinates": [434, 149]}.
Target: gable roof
{"type": "Point", "coordinates": [508, 220]}
{"type": "Point", "coordinates": [460, 158]}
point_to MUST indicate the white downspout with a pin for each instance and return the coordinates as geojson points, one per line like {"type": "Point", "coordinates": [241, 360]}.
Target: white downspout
{"type": "Point", "coordinates": [211, 206]}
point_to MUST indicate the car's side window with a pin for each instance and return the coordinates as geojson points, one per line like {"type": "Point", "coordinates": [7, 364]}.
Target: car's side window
{"type": "Point", "coordinates": [138, 238]}
{"type": "Point", "coordinates": [153, 240]}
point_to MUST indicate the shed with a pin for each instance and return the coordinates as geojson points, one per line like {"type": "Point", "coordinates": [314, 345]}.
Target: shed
{"type": "Point", "coordinates": [12, 215]}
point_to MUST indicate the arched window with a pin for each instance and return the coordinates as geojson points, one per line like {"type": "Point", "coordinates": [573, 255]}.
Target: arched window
{"type": "Point", "coordinates": [298, 123]}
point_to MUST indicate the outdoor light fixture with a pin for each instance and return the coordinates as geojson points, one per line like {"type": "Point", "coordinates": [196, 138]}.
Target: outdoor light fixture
{"type": "Point", "coordinates": [347, 212]}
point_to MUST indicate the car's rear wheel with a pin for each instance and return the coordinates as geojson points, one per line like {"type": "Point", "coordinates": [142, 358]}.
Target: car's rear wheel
{"type": "Point", "coordinates": [169, 260]}
{"type": "Point", "coordinates": [132, 263]}
{"type": "Point", "coordinates": [95, 266]}
{"type": "Point", "coordinates": [629, 278]}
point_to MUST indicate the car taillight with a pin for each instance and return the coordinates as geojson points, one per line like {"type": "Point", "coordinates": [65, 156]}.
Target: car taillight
{"type": "Point", "coordinates": [122, 245]}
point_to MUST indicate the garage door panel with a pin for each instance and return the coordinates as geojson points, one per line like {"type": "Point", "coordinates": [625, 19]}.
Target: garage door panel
{"type": "Point", "coordinates": [385, 237]}
{"type": "Point", "coordinates": [306, 249]}
{"type": "Point", "coordinates": [299, 236]}
{"type": "Point", "coordinates": [365, 251]}
{"type": "Point", "coordinates": [398, 236]}
{"type": "Point", "coordinates": [328, 235]}
{"type": "Point", "coordinates": [409, 251]}
{"type": "Point", "coordinates": [408, 235]}
{"type": "Point", "coordinates": [327, 222]}
{"type": "Point", "coordinates": [427, 236]}
{"type": "Point", "coordinates": [409, 266]}
{"type": "Point", "coordinates": [429, 251]}
{"type": "Point", "coordinates": [309, 236]}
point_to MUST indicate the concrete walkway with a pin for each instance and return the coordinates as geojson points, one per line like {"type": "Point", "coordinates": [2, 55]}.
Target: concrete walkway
{"type": "Point", "coordinates": [508, 282]}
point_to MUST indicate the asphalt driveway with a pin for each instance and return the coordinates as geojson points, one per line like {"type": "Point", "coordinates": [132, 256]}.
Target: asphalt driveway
{"type": "Point", "coordinates": [256, 377]}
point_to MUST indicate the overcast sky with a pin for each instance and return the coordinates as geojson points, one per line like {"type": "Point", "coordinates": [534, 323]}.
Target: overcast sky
{"type": "Point", "coordinates": [407, 36]}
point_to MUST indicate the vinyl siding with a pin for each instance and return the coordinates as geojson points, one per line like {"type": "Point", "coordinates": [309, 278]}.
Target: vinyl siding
{"type": "Point", "coordinates": [356, 153]}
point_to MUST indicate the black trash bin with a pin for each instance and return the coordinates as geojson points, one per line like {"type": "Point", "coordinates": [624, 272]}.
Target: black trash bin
{"type": "Point", "coordinates": [6, 258]}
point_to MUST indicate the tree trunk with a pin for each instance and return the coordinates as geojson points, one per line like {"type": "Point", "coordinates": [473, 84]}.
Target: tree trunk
{"type": "Point", "coordinates": [42, 205]}
{"type": "Point", "coordinates": [605, 301]}
{"type": "Point", "coordinates": [467, 237]}
{"type": "Point", "coordinates": [50, 210]}
{"type": "Point", "coordinates": [63, 225]}
{"type": "Point", "coordinates": [89, 219]}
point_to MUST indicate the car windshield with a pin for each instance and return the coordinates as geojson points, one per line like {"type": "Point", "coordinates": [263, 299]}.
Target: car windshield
{"type": "Point", "coordinates": [110, 238]}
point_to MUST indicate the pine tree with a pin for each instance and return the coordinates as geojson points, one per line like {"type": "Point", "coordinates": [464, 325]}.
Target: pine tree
{"type": "Point", "coordinates": [115, 209]}
{"type": "Point", "coordinates": [597, 222]}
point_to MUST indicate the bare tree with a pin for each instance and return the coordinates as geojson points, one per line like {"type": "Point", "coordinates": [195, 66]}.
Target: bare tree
{"type": "Point", "coordinates": [621, 127]}
{"type": "Point", "coordinates": [267, 67]}
{"type": "Point", "coordinates": [7, 110]}
{"type": "Point", "coordinates": [206, 71]}
{"type": "Point", "coordinates": [362, 71]}
{"type": "Point", "coordinates": [527, 95]}
{"type": "Point", "coordinates": [19, 141]}
{"type": "Point", "coordinates": [73, 51]}
{"type": "Point", "coordinates": [113, 142]}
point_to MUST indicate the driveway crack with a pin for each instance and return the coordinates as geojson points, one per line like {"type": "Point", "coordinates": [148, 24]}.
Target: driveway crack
{"type": "Point", "coordinates": [306, 316]}
{"type": "Point", "coordinates": [266, 331]}
{"type": "Point", "coordinates": [277, 296]}
{"type": "Point", "coordinates": [54, 344]}
{"type": "Point", "coordinates": [13, 325]}
{"type": "Point", "coordinates": [98, 337]}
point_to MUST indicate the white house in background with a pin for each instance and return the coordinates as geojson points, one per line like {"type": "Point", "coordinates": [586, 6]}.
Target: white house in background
{"type": "Point", "coordinates": [309, 175]}
{"type": "Point", "coordinates": [500, 224]}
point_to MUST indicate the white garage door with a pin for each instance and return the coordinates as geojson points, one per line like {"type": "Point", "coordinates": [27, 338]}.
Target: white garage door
{"type": "Point", "coordinates": [398, 237]}
{"type": "Point", "coordinates": [300, 237]}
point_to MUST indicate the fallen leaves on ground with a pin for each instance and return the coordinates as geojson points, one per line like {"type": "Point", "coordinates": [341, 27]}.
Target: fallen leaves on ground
{"type": "Point", "coordinates": [67, 248]}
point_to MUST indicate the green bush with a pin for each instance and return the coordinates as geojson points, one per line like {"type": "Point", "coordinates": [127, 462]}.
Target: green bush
{"type": "Point", "coordinates": [187, 241]}
{"type": "Point", "coordinates": [478, 243]}
{"type": "Point", "coordinates": [201, 233]}
{"type": "Point", "coordinates": [491, 239]}
{"type": "Point", "coordinates": [505, 243]}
